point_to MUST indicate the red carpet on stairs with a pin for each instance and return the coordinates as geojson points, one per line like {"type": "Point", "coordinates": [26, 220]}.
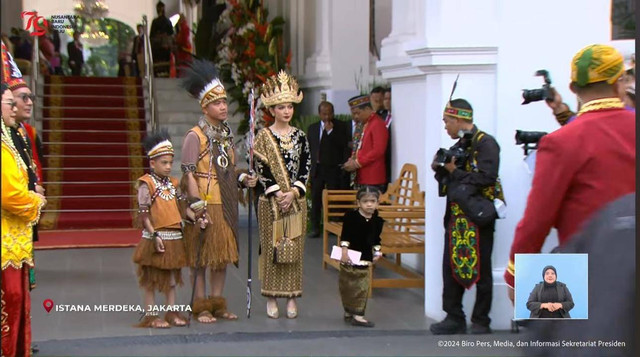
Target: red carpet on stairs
{"type": "Point", "coordinates": [106, 238]}
{"type": "Point", "coordinates": [92, 132]}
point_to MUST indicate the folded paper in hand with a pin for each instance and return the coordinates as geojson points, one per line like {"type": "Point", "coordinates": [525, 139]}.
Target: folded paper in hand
{"type": "Point", "coordinates": [354, 255]}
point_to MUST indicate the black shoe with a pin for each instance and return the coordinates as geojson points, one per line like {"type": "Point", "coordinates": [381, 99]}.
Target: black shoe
{"type": "Point", "coordinates": [478, 329]}
{"type": "Point", "coordinates": [355, 322]}
{"type": "Point", "coordinates": [34, 349]}
{"type": "Point", "coordinates": [314, 234]}
{"type": "Point", "coordinates": [448, 327]}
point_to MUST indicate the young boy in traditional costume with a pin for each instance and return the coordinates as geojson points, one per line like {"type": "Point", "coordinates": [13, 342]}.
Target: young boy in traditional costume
{"type": "Point", "coordinates": [361, 231]}
{"type": "Point", "coordinates": [211, 182]}
{"type": "Point", "coordinates": [160, 255]}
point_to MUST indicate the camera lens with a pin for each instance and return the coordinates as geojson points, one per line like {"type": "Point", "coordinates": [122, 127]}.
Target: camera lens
{"type": "Point", "coordinates": [532, 95]}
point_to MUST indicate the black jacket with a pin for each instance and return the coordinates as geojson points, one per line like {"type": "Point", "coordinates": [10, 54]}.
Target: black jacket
{"type": "Point", "coordinates": [564, 297]}
{"type": "Point", "coordinates": [361, 234]}
{"type": "Point", "coordinates": [334, 152]}
{"type": "Point", "coordinates": [75, 54]}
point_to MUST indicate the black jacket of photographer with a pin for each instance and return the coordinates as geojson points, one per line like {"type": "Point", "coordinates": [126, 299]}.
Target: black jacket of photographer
{"type": "Point", "coordinates": [480, 169]}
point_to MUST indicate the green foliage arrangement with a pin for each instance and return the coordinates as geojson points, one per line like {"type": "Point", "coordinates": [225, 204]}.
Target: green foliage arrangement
{"type": "Point", "coordinates": [251, 50]}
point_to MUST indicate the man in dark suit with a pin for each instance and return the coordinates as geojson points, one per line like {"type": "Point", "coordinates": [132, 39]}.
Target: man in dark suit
{"type": "Point", "coordinates": [328, 144]}
{"type": "Point", "coordinates": [76, 59]}
{"type": "Point", "coordinates": [137, 52]}
{"type": "Point", "coordinates": [161, 36]}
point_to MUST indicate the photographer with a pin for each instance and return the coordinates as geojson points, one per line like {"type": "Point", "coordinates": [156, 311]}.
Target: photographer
{"type": "Point", "coordinates": [466, 261]}
{"type": "Point", "coordinates": [583, 166]}
{"type": "Point", "coordinates": [626, 92]}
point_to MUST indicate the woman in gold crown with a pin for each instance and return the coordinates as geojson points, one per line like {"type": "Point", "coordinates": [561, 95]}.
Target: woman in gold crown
{"type": "Point", "coordinates": [282, 163]}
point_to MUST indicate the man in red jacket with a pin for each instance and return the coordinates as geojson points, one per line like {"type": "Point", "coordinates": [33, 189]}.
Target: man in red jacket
{"type": "Point", "coordinates": [585, 164]}
{"type": "Point", "coordinates": [368, 159]}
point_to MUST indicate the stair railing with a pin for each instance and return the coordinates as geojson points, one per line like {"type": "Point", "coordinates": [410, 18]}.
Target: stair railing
{"type": "Point", "coordinates": [148, 74]}
{"type": "Point", "coordinates": [35, 73]}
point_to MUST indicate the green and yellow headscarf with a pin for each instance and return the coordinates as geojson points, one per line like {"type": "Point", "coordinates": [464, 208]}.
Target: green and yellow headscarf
{"type": "Point", "coordinates": [596, 63]}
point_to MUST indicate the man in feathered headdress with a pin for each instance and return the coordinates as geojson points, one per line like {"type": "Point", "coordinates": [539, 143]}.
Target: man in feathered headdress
{"type": "Point", "coordinates": [212, 181]}
{"type": "Point", "coordinates": [468, 240]}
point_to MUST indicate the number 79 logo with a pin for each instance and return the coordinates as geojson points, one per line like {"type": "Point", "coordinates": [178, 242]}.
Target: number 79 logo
{"type": "Point", "coordinates": [38, 29]}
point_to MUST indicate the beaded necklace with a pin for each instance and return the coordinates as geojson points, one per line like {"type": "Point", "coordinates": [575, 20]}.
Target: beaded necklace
{"type": "Point", "coordinates": [221, 137]}
{"type": "Point", "coordinates": [164, 187]}
{"type": "Point", "coordinates": [286, 140]}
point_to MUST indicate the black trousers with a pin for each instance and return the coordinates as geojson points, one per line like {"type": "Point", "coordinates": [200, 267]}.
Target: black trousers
{"type": "Point", "coordinates": [452, 291]}
{"type": "Point", "coordinates": [326, 176]}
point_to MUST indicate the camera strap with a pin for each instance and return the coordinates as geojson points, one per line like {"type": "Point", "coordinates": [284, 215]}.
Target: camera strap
{"type": "Point", "coordinates": [494, 191]}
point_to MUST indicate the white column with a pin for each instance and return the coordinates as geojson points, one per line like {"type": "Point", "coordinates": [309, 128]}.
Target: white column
{"type": "Point", "coordinates": [318, 64]}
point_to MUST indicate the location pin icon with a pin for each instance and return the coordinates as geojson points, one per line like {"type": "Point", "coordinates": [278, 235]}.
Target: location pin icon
{"type": "Point", "coordinates": [48, 305]}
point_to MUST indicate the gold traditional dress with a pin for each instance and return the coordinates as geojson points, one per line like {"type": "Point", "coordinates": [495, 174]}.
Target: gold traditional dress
{"type": "Point", "coordinates": [282, 163]}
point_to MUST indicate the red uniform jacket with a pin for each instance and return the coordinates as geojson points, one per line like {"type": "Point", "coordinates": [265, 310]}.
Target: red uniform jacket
{"type": "Point", "coordinates": [579, 168]}
{"type": "Point", "coordinates": [371, 154]}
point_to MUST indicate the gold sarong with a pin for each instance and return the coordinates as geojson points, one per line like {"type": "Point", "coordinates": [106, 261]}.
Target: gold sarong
{"type": "Point", "coordinates": [353, 283]}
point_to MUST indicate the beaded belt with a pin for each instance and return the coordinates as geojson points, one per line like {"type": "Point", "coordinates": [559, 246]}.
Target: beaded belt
{"type": "Point", "coordinates": [164, 235]}
{"type": "Point", "coordinates": [205, 175]}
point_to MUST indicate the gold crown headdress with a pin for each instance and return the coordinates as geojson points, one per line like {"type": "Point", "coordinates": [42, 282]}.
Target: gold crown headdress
{"type": "Point", "coordinates": [279, 89]}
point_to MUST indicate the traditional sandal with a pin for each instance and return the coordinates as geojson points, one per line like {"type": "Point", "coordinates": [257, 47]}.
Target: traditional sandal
{"type": "Point", "coordinates": [205, 314]}
{"type": "Point", "coordinates": [347, 317]}
{"type": "Point", "coordinates": [201, 309]}
{"type": "Point", "coordinates": [151, 321]}
{"type": "Point", "coordinates": [175, 319]}
{"type": "Point", "coordinates": [226, 315]}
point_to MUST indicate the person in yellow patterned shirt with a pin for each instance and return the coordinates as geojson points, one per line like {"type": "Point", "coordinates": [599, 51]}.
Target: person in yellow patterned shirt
{"type": "Point", "coordinates": [20, 211]}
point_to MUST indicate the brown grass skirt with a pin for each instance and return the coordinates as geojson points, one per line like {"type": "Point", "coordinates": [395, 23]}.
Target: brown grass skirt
{"type": "Point", "coordinates": [219, 247]}
{"type": "Point", "coordinates": [161, 280]}
{"type": "Point", "coordinates": [353, 284]}
{"type": "Point", "coordinates": [159, 271]}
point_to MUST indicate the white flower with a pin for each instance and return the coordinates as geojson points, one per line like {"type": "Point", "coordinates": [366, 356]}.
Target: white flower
{"type": "Point", "coordinates": [245, 28]}
{"type": "Point", "coordinates": [248, 85]}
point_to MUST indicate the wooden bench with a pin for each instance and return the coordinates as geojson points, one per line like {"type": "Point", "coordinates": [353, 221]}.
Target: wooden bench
{"type": "Point", "coordinates": [402, 208]}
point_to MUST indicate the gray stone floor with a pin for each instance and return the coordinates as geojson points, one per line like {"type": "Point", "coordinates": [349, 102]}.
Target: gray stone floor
{"type": "Point", "coordinates": [106, 276]}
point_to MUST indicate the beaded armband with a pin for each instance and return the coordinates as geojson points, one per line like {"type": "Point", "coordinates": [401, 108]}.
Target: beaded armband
{"type": "Point", "coordinates": [186, 168]}
{"type": "Point", "coordinates": [143, 209]}
{"type": "Point", "coordinates": [196, 206]}
{"type": "Point", "coordinates": [564, 116]}
{"type": "Point", "coordinates": [344, 244]}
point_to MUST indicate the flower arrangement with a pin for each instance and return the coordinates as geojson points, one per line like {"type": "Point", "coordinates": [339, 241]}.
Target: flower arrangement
{"type": "Point", "coordinates": [251, 50]}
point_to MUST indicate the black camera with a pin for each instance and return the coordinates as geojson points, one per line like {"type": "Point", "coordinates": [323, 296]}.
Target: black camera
{"type": "Point", "coordinates": [534, 95]}
{"type": "Point", "coordinates": [444, 156]}
{"type": "Point", "coordinates": [529, 139]}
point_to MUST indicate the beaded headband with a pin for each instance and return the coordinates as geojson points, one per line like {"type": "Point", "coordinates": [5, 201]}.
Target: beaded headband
{"type": "Point", "coordinates": [212, 92]}
{"type": "Point", "coordinates": [458, 112]}
{"type": "Point", "coordinates": [161, 149]}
